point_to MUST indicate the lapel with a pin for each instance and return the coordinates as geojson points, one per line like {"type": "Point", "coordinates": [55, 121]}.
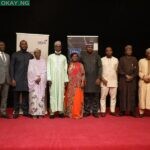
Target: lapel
{"type": "Point", "coordinates": [6, 56]}
{"type": "Point", "coordinates": [5, 60]}
{"type": "Point", "coordinates": [1, 61]}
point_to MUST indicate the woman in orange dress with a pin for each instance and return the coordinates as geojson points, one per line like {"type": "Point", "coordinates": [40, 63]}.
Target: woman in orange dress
{"type": "Point", "coordinates": [74, 93]}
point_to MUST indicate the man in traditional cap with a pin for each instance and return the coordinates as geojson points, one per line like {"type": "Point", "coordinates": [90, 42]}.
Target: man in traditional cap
{"type": "Point", "coordinates": [144, 83]}
{"type": "Point", "coordinates": [128, 72]}
{"type": "Point", "coordinates": [18, 71]}
{"type": "Point", "coordinates": [57, 78]}
{"type": "Point", "coordinates": [93, 70]}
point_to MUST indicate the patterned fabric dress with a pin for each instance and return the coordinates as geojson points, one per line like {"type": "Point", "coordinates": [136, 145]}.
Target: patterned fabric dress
{"type": "Point", "coordinates": [37, 68]}
{"type": "Point", "coordinates": [74, 93]}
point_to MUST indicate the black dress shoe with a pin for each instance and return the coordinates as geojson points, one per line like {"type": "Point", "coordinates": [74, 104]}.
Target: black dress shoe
{"type": "Point", "coordinates": [4, 116]}
{"type": "Point", "coordinates": [27, 115]}
{"type": "Point", "coordinates": [61, 115]}
{"type": "Point", "coordinates": [96, 115]}
{"type": "Point", "coordinates": [141, 115]}
{"type": "Point", "coordinates": [15, 116]}
{"type": "Point", "coordinates": [86, 114]}
{"type": "Point", "coordinates": [133, 114]}
{"type": "Point", "coordinates": [52, 116]}
{"type": "Point", "coordinates": [122, 113]}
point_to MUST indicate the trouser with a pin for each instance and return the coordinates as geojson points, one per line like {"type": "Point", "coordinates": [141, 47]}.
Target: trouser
{"type": "Point", "coordinates": [104, 92]}
{"type": "Point", "coordinates": [91, 102]}
{"type": "Point", "coordinates": [4, 95]}
{"type": "Point", "coordinates": [25, 101]}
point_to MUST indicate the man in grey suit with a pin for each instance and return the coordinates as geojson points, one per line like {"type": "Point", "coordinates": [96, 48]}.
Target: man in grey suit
{"type": "Point", "coordinates": [4, 80]}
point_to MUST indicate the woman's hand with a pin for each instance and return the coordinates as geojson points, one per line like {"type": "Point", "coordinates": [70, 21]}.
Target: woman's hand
{"type": "Point", "coordinates": [82, 84]}
{"type": "Point", "coordinates": [37, 81]}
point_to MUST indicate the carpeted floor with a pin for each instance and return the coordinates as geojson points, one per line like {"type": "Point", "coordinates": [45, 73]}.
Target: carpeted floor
{"type": "Point", "coordinates": [109, 133]}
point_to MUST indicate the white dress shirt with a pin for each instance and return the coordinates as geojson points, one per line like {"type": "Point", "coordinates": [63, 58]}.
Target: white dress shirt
{"type": "Point", "coordinates": [109, 71]}
{"type": "Point", "coordinates": [3, 56]}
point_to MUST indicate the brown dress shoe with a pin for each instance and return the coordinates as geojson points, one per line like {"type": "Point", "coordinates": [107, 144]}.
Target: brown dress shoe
{"type": "Point", "coordinates": [113, 114]}
{"type": "Point", "coordinates": [103, 114]}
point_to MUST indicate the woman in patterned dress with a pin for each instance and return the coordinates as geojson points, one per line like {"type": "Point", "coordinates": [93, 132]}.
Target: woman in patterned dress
{"type": "Point", "coordinates": [74, 93]}
{"type": "Point", "coordinates": [37, 85]}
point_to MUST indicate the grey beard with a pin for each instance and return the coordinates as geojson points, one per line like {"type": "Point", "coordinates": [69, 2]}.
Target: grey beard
{"type": "Point", "coordinates": [57, 52]}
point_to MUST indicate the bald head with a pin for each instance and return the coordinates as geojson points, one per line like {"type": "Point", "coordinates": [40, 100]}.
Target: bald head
{"type": "Point", "coordinates": [109, 51]}
{"type": "Point", "coordinates": [23, 45]}
{"type": "Point", "coordinates": [2, 46]}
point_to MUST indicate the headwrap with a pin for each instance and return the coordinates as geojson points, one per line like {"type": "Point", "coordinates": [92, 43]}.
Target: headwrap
{"type": "Point", "coordinates": [90, 43]}
{"type": "Point", "coordinates": [37, 49]}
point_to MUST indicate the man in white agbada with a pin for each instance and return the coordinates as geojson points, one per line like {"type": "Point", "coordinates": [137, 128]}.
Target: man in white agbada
{"type": "Point", "coordinates": [57, 78]}
{"type": "Point", "coordinates": [144, 83]}
{"type": "Point", "coordinates": [109, 82]}
{"type": "Point", "coordinates": [37, 85]}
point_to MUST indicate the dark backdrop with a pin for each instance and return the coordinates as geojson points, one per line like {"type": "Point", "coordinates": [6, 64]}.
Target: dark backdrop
{"type": "Point", "coordinates": [117, 22]}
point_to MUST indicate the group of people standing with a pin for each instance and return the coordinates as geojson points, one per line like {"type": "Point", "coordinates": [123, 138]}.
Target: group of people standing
{"type": "Point", "coordinates": [76, 89]}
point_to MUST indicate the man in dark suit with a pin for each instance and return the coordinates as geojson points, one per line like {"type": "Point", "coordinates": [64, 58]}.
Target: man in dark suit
{"type": "Point", "coordinates": [18, 71]}
{"type": "Point", "coordinates": [4, 80]}
{"type": "Point", "coordinates": [93, 71]}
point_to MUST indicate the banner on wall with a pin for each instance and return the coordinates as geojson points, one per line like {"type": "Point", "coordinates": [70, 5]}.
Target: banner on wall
{"type": "Point", "coordinates": [34, 41]}
{"type": "Point", "coordinates": [77, 43]}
